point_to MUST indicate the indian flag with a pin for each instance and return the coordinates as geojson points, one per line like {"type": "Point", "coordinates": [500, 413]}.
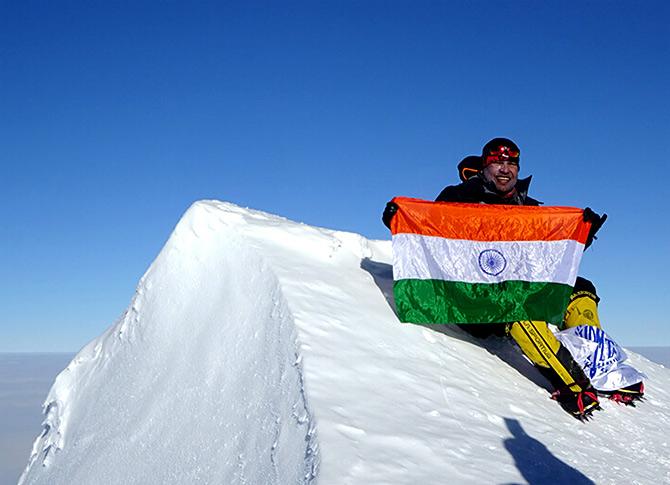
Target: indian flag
{"type": "Point", "coordinates": [477, 263]}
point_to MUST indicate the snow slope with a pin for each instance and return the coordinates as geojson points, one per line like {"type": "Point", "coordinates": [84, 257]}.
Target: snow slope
{"type": "Point", "coordinates": [263, 351]}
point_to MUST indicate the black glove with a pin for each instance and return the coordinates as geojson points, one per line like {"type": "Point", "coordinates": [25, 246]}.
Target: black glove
{"type": "Point", "coordinates": [389, 212]}
{"type": "Point", "coordinates": [596, 221]}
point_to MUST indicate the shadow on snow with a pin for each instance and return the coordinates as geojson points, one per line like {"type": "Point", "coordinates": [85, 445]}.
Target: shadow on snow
{"type": "Point", "coordinates": [536, 463]}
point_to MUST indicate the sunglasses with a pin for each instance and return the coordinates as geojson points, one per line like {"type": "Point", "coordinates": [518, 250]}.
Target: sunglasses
{"type": "Point", "coordinates": [502, 153]}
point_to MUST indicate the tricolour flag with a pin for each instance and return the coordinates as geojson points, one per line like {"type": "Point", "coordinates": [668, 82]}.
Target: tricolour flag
{"type": "Point", "coordinates": [477, 263]}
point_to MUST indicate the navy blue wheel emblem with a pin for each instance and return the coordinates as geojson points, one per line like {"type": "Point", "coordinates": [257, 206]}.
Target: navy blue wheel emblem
{"type": "Point", "coordinates": [492, 262]}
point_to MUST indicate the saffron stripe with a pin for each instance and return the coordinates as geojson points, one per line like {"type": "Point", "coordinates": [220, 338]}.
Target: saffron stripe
{"type": "Point", "coordinates": [481, 222]}
{"type": "Point", "coordinates": [448, 302]}
{"type": "Point", "coordinates": [426, 257]}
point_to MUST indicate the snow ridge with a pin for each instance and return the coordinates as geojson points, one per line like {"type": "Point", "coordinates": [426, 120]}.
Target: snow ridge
{"type": "Point", "coordinates": [201, 379]}
{"type": "Point", "coordinates": [261, 350]}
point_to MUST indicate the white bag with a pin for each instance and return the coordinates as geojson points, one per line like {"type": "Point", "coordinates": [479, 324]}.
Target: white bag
{"type": "Point", "coordinates": [601, 358]}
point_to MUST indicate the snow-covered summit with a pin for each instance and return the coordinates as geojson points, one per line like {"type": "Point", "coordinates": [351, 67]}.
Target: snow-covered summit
{"type": "Point", "coordinates": [263, 351]}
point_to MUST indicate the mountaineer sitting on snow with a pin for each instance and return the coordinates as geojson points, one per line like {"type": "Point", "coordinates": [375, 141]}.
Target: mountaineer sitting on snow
{"type": "Point", "coordinates": [493, 179]}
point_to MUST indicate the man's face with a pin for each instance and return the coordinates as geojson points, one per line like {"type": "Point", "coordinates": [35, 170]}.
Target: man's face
{"type": "Point", "coordinates": [503, 174]}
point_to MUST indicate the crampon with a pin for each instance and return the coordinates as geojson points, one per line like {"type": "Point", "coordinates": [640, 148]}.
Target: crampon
{"type": "Point", "coordinates": [579, 404]}
{"type": "Point", "coordinates": [627, 396]}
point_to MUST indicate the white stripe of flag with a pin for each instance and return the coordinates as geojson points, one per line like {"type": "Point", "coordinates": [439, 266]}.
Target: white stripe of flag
{"type": "Point", "coordinates": [428, 257]}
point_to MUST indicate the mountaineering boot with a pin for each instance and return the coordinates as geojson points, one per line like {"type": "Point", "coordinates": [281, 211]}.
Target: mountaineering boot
{"type": "Point", "coordinates": [627, 395]}
{"type": "Point", "coordinates": [583, 310]}
{"type": "Point", "coordinates": [579, 404]}
{"type": "Point", "coordinates": [583, 306]}
{"type": "Point", "coordinates": [544, 350]}
{"type": "Point", "coordinates": [573, 389]}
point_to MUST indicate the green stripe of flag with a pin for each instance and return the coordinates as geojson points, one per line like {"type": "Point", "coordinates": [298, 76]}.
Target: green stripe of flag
{"type": "Point", "coordinates": [438, 301]}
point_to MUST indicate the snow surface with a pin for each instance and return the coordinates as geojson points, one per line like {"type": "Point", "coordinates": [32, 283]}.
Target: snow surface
{"type": "Point", "coordinates": [263, 351]}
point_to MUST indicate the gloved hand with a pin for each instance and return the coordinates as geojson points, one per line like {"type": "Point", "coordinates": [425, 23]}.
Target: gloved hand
{"type": "Point", "coordinates": [596, 221]}
{"type": "Point", "coordinates": [389, 212]}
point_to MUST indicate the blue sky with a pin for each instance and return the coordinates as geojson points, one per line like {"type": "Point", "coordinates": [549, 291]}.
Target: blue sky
{"type": "Point", "coordinates": [116, 116]}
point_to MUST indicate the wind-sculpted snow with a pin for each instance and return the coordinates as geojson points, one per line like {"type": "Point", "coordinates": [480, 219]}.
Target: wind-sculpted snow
{"type": "Point", "coordinates": [200, 381]}
{"type": "Point", "coordinates": [262, 351]}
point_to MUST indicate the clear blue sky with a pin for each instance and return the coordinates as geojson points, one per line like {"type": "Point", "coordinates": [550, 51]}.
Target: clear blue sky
{"type": "Point", "coordinates": [116, 116]}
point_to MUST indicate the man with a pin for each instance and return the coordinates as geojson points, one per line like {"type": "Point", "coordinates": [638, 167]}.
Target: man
{"type": "Point", "coordinates": [496, 182]}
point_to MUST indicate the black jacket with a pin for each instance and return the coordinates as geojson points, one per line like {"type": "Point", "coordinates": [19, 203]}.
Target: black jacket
{"type": "Point", "coordinates": [477, 190]}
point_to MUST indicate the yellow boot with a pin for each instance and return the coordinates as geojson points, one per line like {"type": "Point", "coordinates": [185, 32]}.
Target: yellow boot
{"type": "Point", "coordinates": [540, 345]}
{"type": "Point", "coordinates": [573, 390]}
{"type": "Point", "coordinates": [583, 306]}
{"type": "Point", "coordinates": [582, 310]}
